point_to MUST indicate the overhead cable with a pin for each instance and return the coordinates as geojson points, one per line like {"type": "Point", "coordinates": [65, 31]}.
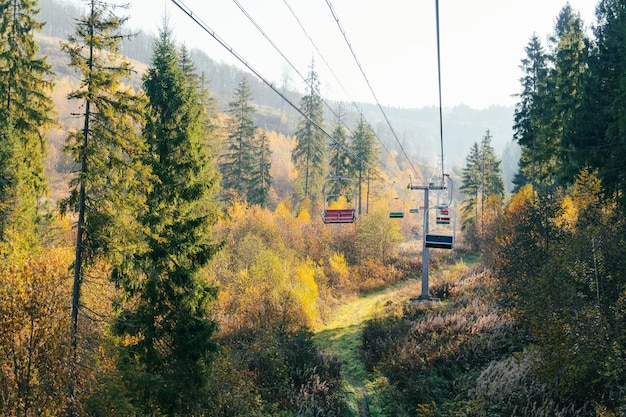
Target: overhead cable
{"type": "Point", "coordinates": [293, 13]}
{"type": "Point", "coordinates": [343, 32]}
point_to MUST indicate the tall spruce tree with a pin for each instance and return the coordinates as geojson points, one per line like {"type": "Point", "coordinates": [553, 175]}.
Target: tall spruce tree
{"type": "Point", "coordinates": [238, 157]}
{"type": "Point", "coordinates": [109, 189]}
{"type": "Point", "coordinates": [471, 185]}
{"type": "Point", "coordinates": [482, 178]}
{"type": "Point", "coordinates": [602, 122]}
{"type": "Point", "coordinates": [169, 346]}
{"type": "Point", "coordinates": [260, 178]}
{"type": "Point", "coordinates": [340, 161]}
{"type": "Point", "coordinates": [527, 116]}
{"type": "Point", "coordinates": [25, 113]}
{"type": "Point", "coordinates": [363, 147]}
{"type": "Point", "coordinates": [569, 58]}
{"type": "Point", "coordinates": [309, 152]}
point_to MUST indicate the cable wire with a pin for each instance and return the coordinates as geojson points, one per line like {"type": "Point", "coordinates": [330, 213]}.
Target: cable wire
{"type": "Point", "coordinates": [293, 13]}
{"type": "Point", "coordinates": [343, 32]}
{"type": "Point", "coordinates": [224, 44]}
{"type": "Point", "coordinates": [328, 106]}
{"type": "Point", "coordinates": [443, 172]}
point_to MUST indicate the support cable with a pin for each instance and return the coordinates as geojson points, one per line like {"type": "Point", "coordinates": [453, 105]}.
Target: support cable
{"type": "Point", "coordinates": [343, 32]}
{"type": "Point", "coordinates": [185, 9]}
{"type": "Point", "coordinates": [439, 82]}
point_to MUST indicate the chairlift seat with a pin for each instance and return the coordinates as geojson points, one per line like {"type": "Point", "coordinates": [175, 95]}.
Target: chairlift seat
{"type": "Point", "coordinates": [438, 241]}
{"type": "Point", "coordinates": [339, 215]}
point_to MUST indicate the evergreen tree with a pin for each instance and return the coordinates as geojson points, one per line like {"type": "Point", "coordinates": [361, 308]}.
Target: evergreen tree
{"type": "Point", "coordinates": [109, 189]}
{"type": "Point", "coordinates": [364, 149]}
{"type": "Point", "coordinates": [260, 178]}
{"type": "Point", "coordinates": [482, 178]}
{"type": "Point", "coordinates": [166, 319]}
{"type": "Point", "coordinates": [309, 152]}
{"type": "Point", "coordinates": [471, 184]}
{"type": "Point", "coordinates": [239, 153]}
{"type": "Point", "coordinates": [25, 113]}
{"type": "Point", "coordinates": [569, 57]}
{"type": "Point", "coordinates": [340, 160]}
{"type": "Point", "coordinates": [602, 122]}
{"type": "Point", "coordinates": [527, 116]}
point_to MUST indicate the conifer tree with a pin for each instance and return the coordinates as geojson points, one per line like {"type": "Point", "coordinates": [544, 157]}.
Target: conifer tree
{"type": "Point", "coordinates": [109, 189]}
{"type": "Point", "coordinates": [569, 57]}
{"type": "Point", "coordinates": [482, 178]}
{"type": "Point", "coordinates": [365, 152]}
{"type": "Point", "coordinates": [527, 117]}
{"type": "Point", "coordinates": [602, 120]}
{"type": "Point", "coordinates": [309, 152]}
{"type": "Point", "coordinates": [260, 178]}
{"type": "Point", "coordinates": [470, 184]}
{"type": "Point", "coordinates": [166, 318]}
{"type": "Point", "coordinates": [25, 113]}
{"type": "Point", "coordinates": [340, 161]}
{"type": "Point", "coordinates": [238, 157]}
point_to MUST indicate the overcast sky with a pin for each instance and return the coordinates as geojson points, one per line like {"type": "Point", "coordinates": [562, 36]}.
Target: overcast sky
{"type": "Point", "coordinates": [482, 43]}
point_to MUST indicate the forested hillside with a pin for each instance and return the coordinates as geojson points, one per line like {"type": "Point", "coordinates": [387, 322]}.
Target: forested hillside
{"type": "Point", "coordinates": [167, 246]}
{"type": "Point", "coordinates": [416, 128]}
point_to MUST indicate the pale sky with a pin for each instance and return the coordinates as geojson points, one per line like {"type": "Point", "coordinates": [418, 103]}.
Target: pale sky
{"type": "Point", "coordinates": [482, 43]}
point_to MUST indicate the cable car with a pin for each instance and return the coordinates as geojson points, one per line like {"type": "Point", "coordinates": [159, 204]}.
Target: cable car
{"type": "Point", "coordinates": [442, 234]}
{"type": "Point", "coordinates": [396, 208]}
{"type": "Point", "coordinates": [339, 194]}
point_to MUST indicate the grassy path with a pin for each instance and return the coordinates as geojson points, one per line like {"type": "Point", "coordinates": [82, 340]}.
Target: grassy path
{"type": "Point", "coordinates": [342, 336]}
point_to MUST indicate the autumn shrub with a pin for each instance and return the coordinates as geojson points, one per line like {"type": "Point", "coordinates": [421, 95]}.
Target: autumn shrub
{"type": "Point", "coordinates": [433, 354]}
{"type": "Point", "coordinates": [34, 325]}
{"type": "Point", "coordinates": [559, 263]}
{"type": "Point", "coordinates": [289, 371]}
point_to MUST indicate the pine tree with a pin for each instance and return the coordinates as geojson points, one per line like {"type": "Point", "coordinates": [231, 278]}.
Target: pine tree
{"type": "Point", "coordinates": [527, 117]}
{"type": "Point", "coordinates": [340, 161]}
{"type": "Point", "coordinates": [167, 315]}
{"type": "Point", "coordinates": [602, 122]}
{"type": "Point", "coordinates": [109, 189]}
{"type": "Point", "coordinates": [25, 113]}
{"type": "Point", "coordinates": [471, 184]}
{"type": "Point", "coordinates": [565, 82]}
{"type": "Point", "coordinates": [238, 157]}
{"type": "Point", "coordinates": [482, 178]}
{"type": "Point", "coordinates": [260, 178]}
{"type": "Point", "coordinates": [309, 152]}
{"type": "Point", "coordinates": [365, 152]}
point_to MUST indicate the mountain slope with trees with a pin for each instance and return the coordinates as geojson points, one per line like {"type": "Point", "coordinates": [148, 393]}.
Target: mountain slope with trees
{"type": "Point", "coordinates": [153, 292]}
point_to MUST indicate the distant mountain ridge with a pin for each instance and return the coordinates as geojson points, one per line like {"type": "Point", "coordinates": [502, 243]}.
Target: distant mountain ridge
{"type": "Point", "coordinates": [417, 129]}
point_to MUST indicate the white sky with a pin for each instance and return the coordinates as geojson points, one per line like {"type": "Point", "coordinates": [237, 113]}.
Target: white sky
{"type": "Point", "coordinates": [482, 43]}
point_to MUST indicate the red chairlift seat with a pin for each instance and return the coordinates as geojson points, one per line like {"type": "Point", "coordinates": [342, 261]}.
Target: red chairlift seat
{"type": "Point", "coordinates": [345, 214]}
{"type": "Point", "coordinates": [339, 215]}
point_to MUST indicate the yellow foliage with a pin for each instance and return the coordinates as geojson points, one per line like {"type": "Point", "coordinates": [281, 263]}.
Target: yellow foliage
{"type": "Point", "coordinates": [34, 321]}
{"type": "Point", "coordinates": [568, 215]}
{"type": "Point", "coordinates": [305, 290]}
{"type": "Point", "coordinates": [338, 272]}
{"type": "Point", "coordinates": [304, 216]}
{"type": "Point", "coordinates": [338, 263]}
{"type": "Point", "coordinates": [521, 199]}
